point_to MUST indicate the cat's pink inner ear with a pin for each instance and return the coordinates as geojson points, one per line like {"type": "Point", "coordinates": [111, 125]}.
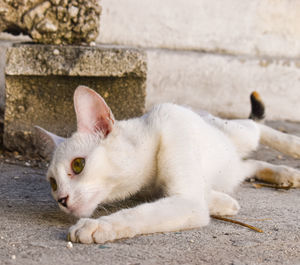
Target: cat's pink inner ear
{"type": "Point", "coordinates": [93, 114]}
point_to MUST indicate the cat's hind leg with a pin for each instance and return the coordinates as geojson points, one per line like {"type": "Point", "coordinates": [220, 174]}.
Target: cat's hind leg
{"type": "Point", "coordinates": [243, 133]}
{"type": "Point", "coordinates": [281, 175]}
{"type": "Point", "coordinates": [283, 142]}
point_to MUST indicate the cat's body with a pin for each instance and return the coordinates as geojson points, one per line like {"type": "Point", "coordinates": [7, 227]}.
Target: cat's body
{"type": "Point", "coordinates": [196, 160]}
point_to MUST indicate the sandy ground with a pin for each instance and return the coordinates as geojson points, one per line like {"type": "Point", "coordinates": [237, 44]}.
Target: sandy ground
{"type": "Point", "coordinates": [33, 230]}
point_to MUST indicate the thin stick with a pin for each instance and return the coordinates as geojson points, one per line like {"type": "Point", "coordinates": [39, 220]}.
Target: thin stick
{"type": "Point", "coordinates": [237, 222]}
{"type": "Point", "coordinates": [269, 185]}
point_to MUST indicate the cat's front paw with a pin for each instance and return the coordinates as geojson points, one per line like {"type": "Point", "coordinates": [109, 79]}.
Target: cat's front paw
{"type": "Point", "coordinates": [89, 231]}
{"type": "Point", "coordinates": [223, 204]}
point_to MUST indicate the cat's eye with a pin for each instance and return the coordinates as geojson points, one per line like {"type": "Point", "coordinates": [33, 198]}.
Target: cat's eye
{"type": "Point", "coordinates": [53, 183]}
{"type": "Point", "coordinates": [77, 165]}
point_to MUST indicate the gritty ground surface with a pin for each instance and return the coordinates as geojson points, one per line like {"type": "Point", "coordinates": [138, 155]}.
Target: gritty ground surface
{"type": "Point", "coordinates": [33, 230]}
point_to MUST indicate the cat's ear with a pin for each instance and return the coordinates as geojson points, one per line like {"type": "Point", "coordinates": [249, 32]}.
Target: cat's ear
{"type": "Point", "coordinates": [46, 142]}
{"type": "Point", "coordinates": [93, 114]}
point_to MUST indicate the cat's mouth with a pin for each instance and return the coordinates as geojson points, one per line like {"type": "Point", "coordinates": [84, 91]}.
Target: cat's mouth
{"type": "Point", "coordinates": [82, 207]}
{"type": "Point", "coordinates": [79, 210]}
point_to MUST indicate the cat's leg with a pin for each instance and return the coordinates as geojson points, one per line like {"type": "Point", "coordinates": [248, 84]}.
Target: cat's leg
{"type": "Point", "coordinates": [222, 204]}
{"type": "Point", "coordinates": [168, 214]}
{"type": "Point", "coordinates": [244, 133]}
{"type": "Point", "coordinates": [283, 142]}
{"type": "Point", "coordinates": [277, 174]}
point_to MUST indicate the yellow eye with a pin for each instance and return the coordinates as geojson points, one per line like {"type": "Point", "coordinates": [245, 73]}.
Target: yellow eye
{"type": "Point", "coordinates": [53, 184]}
{"type": "Point", "coordinates": [77, 165]}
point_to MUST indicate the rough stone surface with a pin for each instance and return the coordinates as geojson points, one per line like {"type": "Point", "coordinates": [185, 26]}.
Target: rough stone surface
{"type": "Point", "coordinates": [41, 79]}
{"type": "Point", "coordinates": [33, 229]}
{"type": "Point", "coordinates": [6, 40]}
{"type": "Point", "coordinates": [53, 22]}
{"type": "Point", "coordinates": [3, 47]}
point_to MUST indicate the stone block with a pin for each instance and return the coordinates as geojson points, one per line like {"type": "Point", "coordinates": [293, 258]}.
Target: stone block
{"type": "Point", "coordinates": [41, 79]}
{"type": "Point", "coordinates": [52, 22]}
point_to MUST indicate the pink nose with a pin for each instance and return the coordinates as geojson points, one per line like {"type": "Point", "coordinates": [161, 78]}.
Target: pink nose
{"type": "Point", "coordinates": [63, 201]}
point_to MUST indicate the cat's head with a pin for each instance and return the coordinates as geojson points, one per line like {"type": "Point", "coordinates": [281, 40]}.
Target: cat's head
{"type": "Point", "coordinates": [79, 170]}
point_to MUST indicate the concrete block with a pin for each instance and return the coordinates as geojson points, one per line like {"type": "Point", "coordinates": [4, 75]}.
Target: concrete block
{"type": "Point", "coordinates": [41, 79]}
{"type": "Point", "coordinates": [3, 47]}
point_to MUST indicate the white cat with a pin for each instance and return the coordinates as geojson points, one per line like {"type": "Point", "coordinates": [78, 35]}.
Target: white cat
{"type": "Point", "coordinates": [195, 160]}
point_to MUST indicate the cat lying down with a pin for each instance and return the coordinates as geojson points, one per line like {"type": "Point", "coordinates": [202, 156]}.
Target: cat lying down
{"type": "Point", "coordinates": [196, 159]}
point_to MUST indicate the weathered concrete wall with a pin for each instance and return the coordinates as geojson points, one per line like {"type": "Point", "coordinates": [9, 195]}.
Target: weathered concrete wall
{"type": "Point", "coordinates": [6, 40]}
{"type": "Point", "coordinates": [257, 27]}
{"type": "Point", "coordinates": [211, 54]}
{"type": "Point", "coordinates": [222, 84]}
{"type": "Point", "coordinates": [41, 79]}
{"type": "Point", "coordinates": [3, 47]}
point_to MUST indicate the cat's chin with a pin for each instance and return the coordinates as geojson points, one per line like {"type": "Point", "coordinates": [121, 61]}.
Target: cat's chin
{"type": "Point", "coordinates": [81, 213]}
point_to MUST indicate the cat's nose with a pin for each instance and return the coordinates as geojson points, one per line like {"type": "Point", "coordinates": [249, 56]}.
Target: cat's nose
{"type": "Point", "coordinates": [63, 201]}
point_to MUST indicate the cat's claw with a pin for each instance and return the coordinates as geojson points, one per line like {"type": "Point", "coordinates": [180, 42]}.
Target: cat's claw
{"type": "Point", "coordinates": [89, 231]}
{"type": "Point", "coordinates": [82, 231]}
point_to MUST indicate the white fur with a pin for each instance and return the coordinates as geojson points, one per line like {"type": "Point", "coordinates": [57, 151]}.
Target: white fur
{"type": "Point", "coordinates": [283, 142]}
{"type": "Point", "coordinates": [196, 160]}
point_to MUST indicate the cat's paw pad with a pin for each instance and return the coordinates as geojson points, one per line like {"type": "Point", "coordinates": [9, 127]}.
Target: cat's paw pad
{"type": "Point", "coordinates": [223, 204]}
{"type": "Point", "coordinates": [89, 231]}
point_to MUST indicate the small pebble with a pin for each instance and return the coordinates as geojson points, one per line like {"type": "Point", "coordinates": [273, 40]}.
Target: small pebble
{"type": "Point", "coordinates": [103, 246]}
{"type": "Point", "coordinates": [2, 237]}
{"type": "Point", "coordinates": [13, 257]}
{"type": "Point", "coordinates": [93, 43]}
{"type": "Point", "coordinates": [56, 52]}
{"type": "Point", "coordinates": [279, 156]}
{"type": "Point", "coordinates": [27, 164]}
{"type": "Point", "coordinates": [69, 245]}
{"type": "Point", "coordinates": [192, 241]}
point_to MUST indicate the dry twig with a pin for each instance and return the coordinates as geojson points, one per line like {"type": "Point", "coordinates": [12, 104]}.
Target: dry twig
{"type": "Point", "coordinates": [236, 222]}
{"type": "Point", "coordinates": [269, 185]}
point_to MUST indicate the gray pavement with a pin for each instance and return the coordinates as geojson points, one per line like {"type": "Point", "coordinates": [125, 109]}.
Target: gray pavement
{"type": "Point", "coordinates": [33, 230]}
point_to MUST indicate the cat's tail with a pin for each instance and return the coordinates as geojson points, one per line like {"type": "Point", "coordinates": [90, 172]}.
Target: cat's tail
{"type": "Point", "coordinates": [282, 142]}
{"type": "Point", "coordinates": [257, 107]}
